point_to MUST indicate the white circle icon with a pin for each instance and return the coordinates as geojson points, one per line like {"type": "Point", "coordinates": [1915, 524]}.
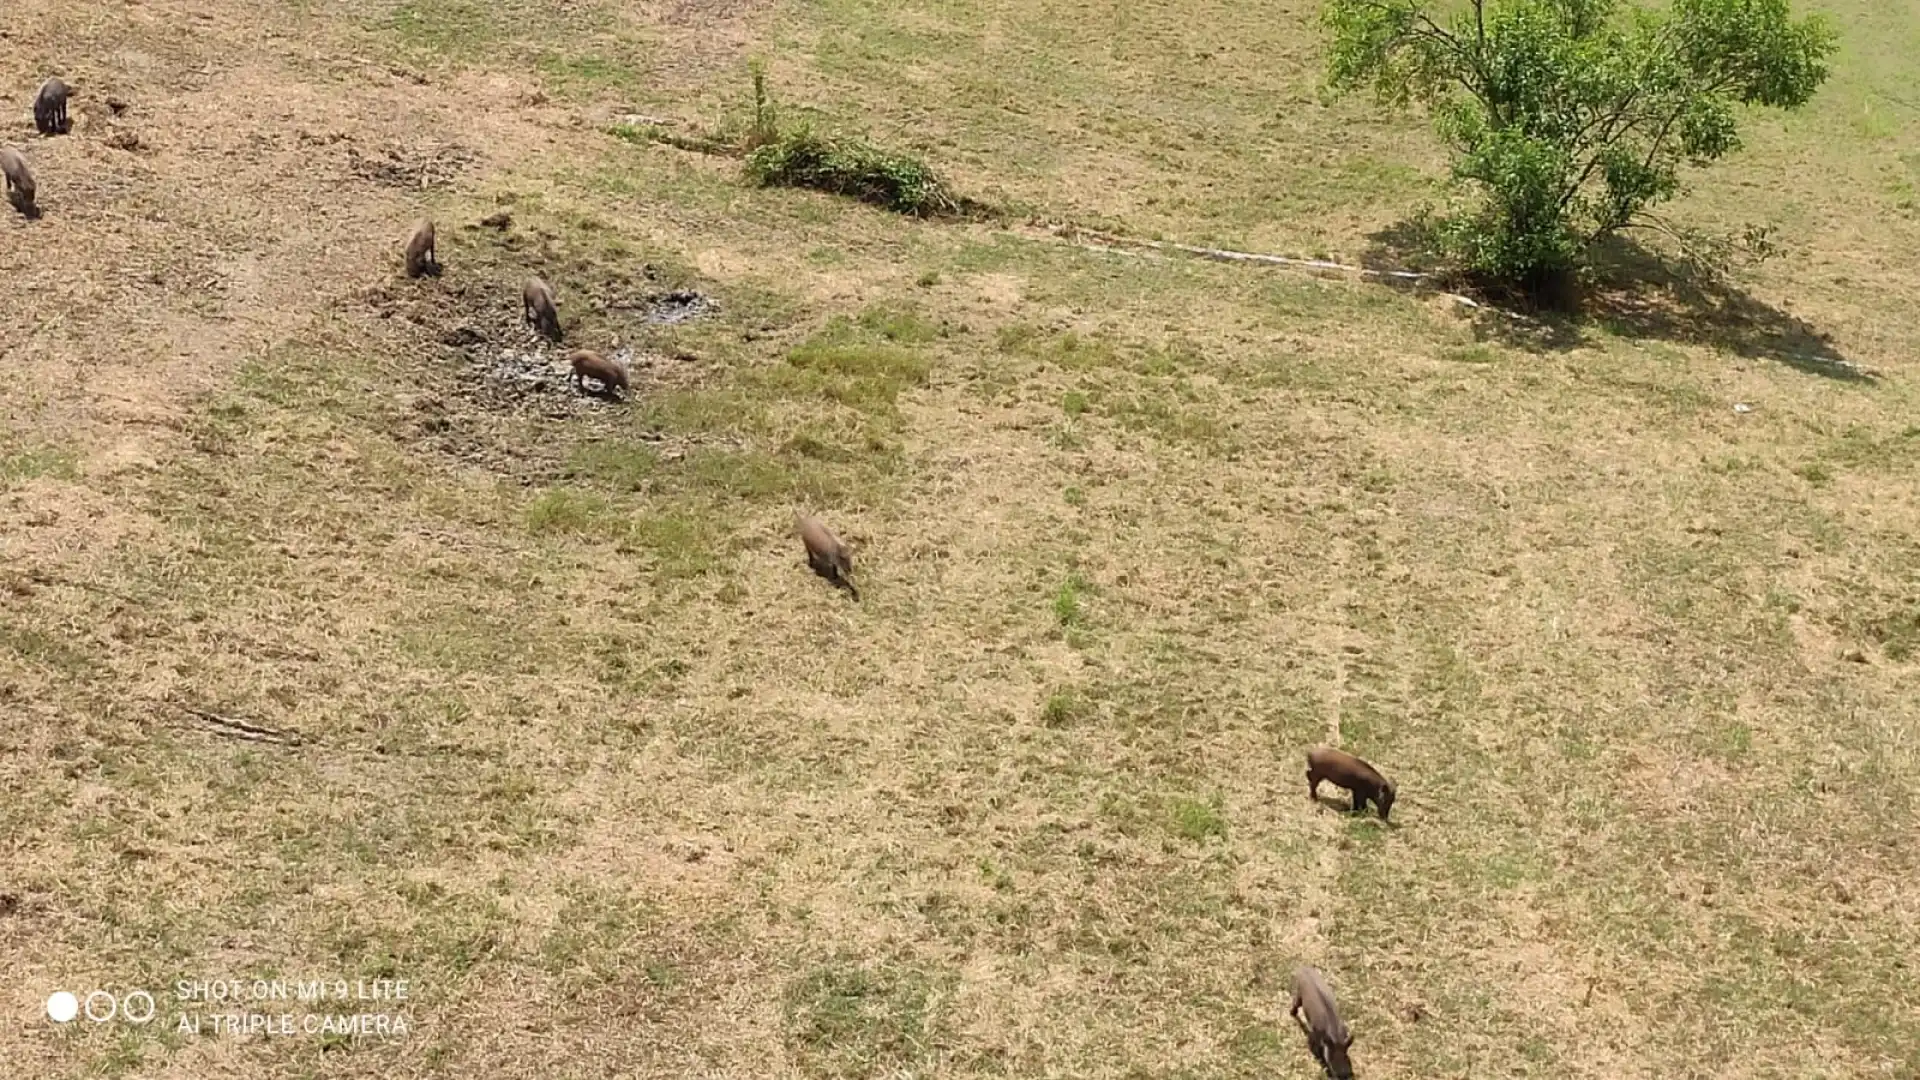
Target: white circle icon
{"type": "Point", "coordinates": [63, 1007]}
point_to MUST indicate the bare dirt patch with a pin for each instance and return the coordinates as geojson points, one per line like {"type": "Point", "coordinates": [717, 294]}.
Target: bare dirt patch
{"type": "Point", "coordinates": [411, 168]}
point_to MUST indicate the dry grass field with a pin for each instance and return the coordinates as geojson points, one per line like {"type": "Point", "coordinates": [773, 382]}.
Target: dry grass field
{"type": "Point", "coordinates": [554, 724]}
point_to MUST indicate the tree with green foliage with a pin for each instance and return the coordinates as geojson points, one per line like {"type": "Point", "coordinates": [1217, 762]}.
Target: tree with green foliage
{"type": "Point", "coordinates": [1573, 118]}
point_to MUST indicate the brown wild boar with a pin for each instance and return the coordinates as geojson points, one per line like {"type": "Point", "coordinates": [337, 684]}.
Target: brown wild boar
{"type": "Point", "coordinates": [421, 257]}
{"type": "Point", "coordinates": [826, 554]}
{"type": "Point", "coordinates": [1347, 771]}
{"type": "Point", "coordinates": [50, 108]}
{"type": "Point", "coordinates": [20, 189]}
{"type": "Point", "coordinates": [541, 309]}
{"type": "Point", "coordinates": [588, 364]}
{"type": "Point", "coordinates": [1327, 1035]}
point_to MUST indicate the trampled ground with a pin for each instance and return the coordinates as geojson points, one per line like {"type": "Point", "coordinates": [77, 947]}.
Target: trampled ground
{"type": "Point", "coordinates": [552, 722]}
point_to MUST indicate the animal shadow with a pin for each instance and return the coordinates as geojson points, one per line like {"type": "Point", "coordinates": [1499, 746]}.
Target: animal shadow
{"type": "Point", "coordinates": [1346, 807]}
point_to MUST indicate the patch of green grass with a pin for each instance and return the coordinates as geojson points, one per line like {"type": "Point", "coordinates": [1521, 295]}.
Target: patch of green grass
{"type": "Point", "coordinates": [454, 638]}
{"type": "Point", "coordinates": [1070, 350]}
{"type": "Point", "coordinates": [1167, 359]}
{"type": "Point", "coordinates": [1675, 397]}
{"type": "Point", "coordinates": [300, 378]}
{"type": "Point", "coordinates": [1061, 709]}
{"type": "Point", "coordinates": [685, 544]}
{"type": "Point", "coordinates": [1814, 473]}
{"type": "Point", "coordinates": [648, 134]}
{"type": "Point", "coordinates": [1736, 740]}
{"type": "Point", "coordinates": [37, 462]}
{"type": "Point", "coordinates": [761, 476]}
{"type": "Point", "coordinates": [1068, 608]}
{"type": "Point", "coordinates": [623, 466]}
{"type": "Point", "coordinates": [563, 510]}
{"type": "Point", "coordinates": [1074, 403]}
{"type": "Point", "coordinates": [124, 1055]}
{"type": "Point", "coordinates": [1197, 819]}
{"type": "Point", "coordinates": [1259, 1047]}
{"type": "Point", "coordinates": [844, 1019]}
{"type": "Point", "coordinates": [744, 474]}
{"type": "Point", "coordinates": [995, 875]}
{"type": "Point", "coordinates": [737, 409]}
{"type": "Point", "coordinates": [1898, 633]}
{"type": "Point", "coordinates": [899, 325]}
{"type": "Point", "coordinates": [597, 939]}
{"type": "Point", "coordinates": [513, 814]}
{"type": "Point", "coordinates": [1470, 354]}
{"type": "Point", "coordinates": [450, 27]}
{"type": "Point", "coordinates": [892, 367]}
{"type": "Point", "coordinates": [1152, 411]}
{"type": "Point", "coordinates": [578, 72]}
{"type": "Point", "coordinates": [457, 930]}
{"type": "Point", "coordinates": [1860, 447]}
{"type": "Point", "coordinates": [817, 447]}
{"type": "Point", "coordinates": [1875, 122]}
{"type": "Point", "coordinates": [622, 663]}
{"type": "Point", "coordinates": [469, 30]}
{"type": "Point", "coordinates": [38, 646]}
{"type": "Point", "coordinates": [776, 441]}
{"type": "Point", "coordinates": [865, 376]}
{"type": "Point", "coordinates": [1077, 352]}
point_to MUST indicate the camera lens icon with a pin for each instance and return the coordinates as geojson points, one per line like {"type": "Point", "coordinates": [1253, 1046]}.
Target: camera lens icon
{"type": "Point", "coordinates": [100, 1006]}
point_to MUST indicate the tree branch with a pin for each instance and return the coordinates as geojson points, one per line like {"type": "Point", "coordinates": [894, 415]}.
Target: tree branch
{"type": "Point", "coordinates": [1607, 118]}
{"type": "Point", "coordinates": [1607, 138]}
{"type": "Point", "coordinates": [1612, 134]}
{"type": "Point", "coordinates": [1441, 37]}
{"type": "Point", "coordinates": [1475, 59]}
{"type": "Point", "coordinates": [1661, 136]}
{"type": "Point", "coordinates": [1653, 148]}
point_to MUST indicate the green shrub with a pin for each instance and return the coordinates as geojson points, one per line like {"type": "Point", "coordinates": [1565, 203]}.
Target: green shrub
{"type": "Point", "coordinates": [843, 165]}
{"type": "Point", "coordinates": [1572, 118]}
{"type": "Point", "coordinates": [794, 155]}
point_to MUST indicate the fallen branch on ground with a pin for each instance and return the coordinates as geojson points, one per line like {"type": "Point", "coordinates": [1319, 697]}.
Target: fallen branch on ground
{"type": "Point", "coordinates": [241, 729]}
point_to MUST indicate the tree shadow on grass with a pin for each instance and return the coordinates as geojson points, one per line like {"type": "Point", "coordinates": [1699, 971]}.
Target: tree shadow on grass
{"type": "Point", "coordinates": [1403, 245]}
{"type": "Point", "coordinates": [1630, 291]}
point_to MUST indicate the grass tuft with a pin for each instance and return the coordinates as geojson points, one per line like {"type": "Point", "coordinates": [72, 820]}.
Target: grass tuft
{"type": "Point", "coordinates": [845, 363]}
{"type": "Point", "coordinates": [1196, 819]}
{"type": "Point", "coordinates": [565, 511]}
{"type": "Point", "coordinates": [39, 461]}
{"type": "Point", "coordinates": [1899, 634]}
{"type": "Point", "coordinates": [1061, 709]}
{"type": "Point", "coordinates": [1068, 610]}
{"type": "Point", "coordinates": [847, 1020]}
